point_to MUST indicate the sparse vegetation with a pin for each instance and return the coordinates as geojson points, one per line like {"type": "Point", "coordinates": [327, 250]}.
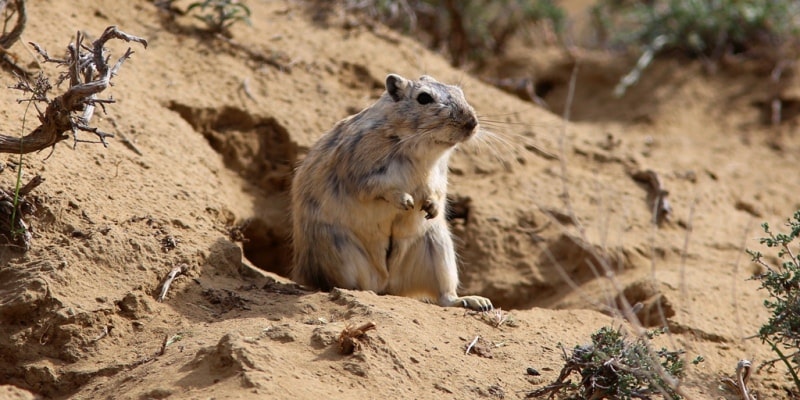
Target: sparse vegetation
{"type": "Point", "coordinates": [700, 28]}
{"type": "Point", "coordinates": [88, 74]}
{"type": "Point", "coordinates": [615, 367]}
{"type": "Point", "coordinates": [758, 29]}
{"type": "Point", "coordinates": [220, 15]}
{"type": "Point", "coordinates": [466, 30]}
{"type": "Point", "coordinates": [782, 331]}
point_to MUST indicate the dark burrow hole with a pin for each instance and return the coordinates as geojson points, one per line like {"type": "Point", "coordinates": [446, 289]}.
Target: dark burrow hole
{"type": "Point", "coordinates": [257, 148]}
{"type": "Point", "coordinates": [268, 246]}
{"type": "Point", "coordinates": [260, 150]}
{"type": "Point", "coordinates": [543, 87]}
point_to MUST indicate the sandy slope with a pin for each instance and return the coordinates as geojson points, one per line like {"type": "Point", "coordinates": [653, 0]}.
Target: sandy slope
{"type": "Point", "coordinates": [219, 129]}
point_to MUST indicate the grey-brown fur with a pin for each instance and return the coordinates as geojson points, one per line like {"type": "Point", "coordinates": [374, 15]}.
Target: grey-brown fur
{"type": "Point", "coordinates": [368, 201]}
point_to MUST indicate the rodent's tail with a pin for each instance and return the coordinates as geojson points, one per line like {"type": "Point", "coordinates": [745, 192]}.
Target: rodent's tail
{"type": "Point", "coordinates": [315, 264]}
{"type": "Point", "coordinates": [311, 274]}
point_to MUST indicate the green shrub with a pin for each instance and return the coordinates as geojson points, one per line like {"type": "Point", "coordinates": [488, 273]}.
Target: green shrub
{"type": "Point", "coordinates": [468, 30]}
{"type": "Point", "coordinates": [700, 27]}
{"type": "Point", "coordinates": [782, 331]}
{"type": "Point", "coordinates": [220, 15]}
{"type": "Point", "coordinates": [615, 367]}
{"type": "Point", "coordinates": [762, 29]}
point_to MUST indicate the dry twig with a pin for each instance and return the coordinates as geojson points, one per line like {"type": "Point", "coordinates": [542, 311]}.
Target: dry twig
{"type": "Point", "coordinates": [106, 331]}
{"type": "Point", "coordinates": [656, 195]}
{"type": "Point", "coordinates": [8, 39]}
{"type": "Point", "coordinates": [495, 317]}
{"type": "Point", "coordinates": [472, 344]}
{"type": "Point", "coordinates": [12, 212]}
{"type": "Point", "coordinates": [89, 74]}
{"type": "Point", "coordinates": [739, 386]}
{"type": "Point", "coordinates": [349, 339]}
{"type": "Point", "coordinates": [776, 104]}
{"type": "Point", "coordinates": [168, 281]}
{"type": "Point", "coordinates": [163, 348]}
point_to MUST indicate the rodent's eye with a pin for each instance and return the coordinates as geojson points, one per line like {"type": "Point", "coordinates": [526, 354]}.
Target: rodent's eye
{"type": "Point", "coordinates": [424, 98]}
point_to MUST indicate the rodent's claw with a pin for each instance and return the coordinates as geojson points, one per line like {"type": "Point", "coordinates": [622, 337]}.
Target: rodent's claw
{"type": "Point", "coordinates": [430, 208]}
{"type": "Point", "coordinates": [476, 303]}
{"type": "Point", "coordinates": [406, 202]}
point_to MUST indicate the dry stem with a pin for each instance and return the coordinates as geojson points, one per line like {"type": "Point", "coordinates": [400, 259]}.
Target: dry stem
{"type": "Point", "coordinates": [88, 74]}
{"type": "Point", "coordinates": [168, 281]}
{"type": "Point", "coordinates": [8, 39]}
{"type": "Point", "coordinates": [15, 229]}
{"type": "Point", "coordinates": [656, 195]}
{"type": "Point", "coordinates": [743, 370]}
{"type": "Point", "coordinates": [472, 344]}
{"type": "Point", "coordinates": [349, 338]}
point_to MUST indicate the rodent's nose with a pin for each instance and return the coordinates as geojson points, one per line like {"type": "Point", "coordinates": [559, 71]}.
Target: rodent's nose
{"type": "Point", "coordinates": [471, 123]}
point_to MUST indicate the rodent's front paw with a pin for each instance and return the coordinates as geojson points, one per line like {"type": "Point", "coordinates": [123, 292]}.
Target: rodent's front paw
{"type": "Point", "coordinates": [477, 303]}
{"type": "Point", "coordinates": [405, 201]}
{"type": "Point", "coordinates": [431, 209]}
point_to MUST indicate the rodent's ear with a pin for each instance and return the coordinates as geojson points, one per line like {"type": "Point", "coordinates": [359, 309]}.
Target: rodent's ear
{"type": "Point", "coordinates": [396, 86]}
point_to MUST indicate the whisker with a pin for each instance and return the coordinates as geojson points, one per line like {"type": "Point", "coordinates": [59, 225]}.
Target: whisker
{"type": "Point", "coordinates": [493, 138]}
{"type": "Point", "coordinates": [498, 147]}
{"type": "Point", "coordinates": [515, 114]}
{"type": "Point", "coordinates": [484, 121]}
{"type": "Point", "coordinates": [417, 136]}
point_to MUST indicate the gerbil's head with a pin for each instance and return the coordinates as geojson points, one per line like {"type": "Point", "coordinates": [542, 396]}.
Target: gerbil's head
{"type": "Point", "coordinates": [436, 114]}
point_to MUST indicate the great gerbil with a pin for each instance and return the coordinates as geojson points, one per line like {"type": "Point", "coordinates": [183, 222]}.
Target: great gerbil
{"type": "Point", "coordinates": [369, 199]}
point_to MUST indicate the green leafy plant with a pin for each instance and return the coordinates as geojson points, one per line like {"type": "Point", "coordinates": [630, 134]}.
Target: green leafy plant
{"type": "Point", "coordinates": [468, 30]}
{"type": "Point", "coordinates": [762, 29]}
{"type": "Point", "coordinates": [782, 331]}
{"type": "Point", "coordinates": [616, 367]}
{"type": "Point", "coordinates": [220, 15]}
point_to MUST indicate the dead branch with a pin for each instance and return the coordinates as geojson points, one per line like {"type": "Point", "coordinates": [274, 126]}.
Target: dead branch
{"type": "Point", "coordinates": [163, 348]}
{"type": "Point", "coordinates": [168, 281]}
{"type": "Point", "coordinates": [656, 195]}
{"type": "Point", "coordinates": [349, 339]}
{"type": "Point", "coordinates": [739, 385]}
{"type": "Point", "coordinates": [12, 225]}
{"type": "Point", "coordinates": [89, 74]}
{"type": "Point", "coordinates": [561, 382]}
{"type": "Point", "coordinates": [8, 39]}
{"type": "Point", "coordinates": [777, 103]}
{"type": "Point", "coordinates": [106, 331]}
{"type": "Point", "coordinates": [34, 182]}
{"type": "Point", "coordinates": [472, 344]}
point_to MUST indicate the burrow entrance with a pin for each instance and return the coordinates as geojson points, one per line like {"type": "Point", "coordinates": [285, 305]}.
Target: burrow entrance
{"type": "Point", "coordinates": [261, 151]}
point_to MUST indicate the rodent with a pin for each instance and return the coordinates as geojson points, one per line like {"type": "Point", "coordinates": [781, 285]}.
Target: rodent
{"type": "Point", "coordinates": [368, 200]}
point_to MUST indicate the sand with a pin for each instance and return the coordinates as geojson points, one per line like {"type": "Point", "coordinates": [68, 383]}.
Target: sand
{"type": "Point", "coordinates": [215, 129]}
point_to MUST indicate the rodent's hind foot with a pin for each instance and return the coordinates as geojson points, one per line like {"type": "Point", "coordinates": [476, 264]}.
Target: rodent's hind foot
{"type": "Point", "coordinates": [477, 303]}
